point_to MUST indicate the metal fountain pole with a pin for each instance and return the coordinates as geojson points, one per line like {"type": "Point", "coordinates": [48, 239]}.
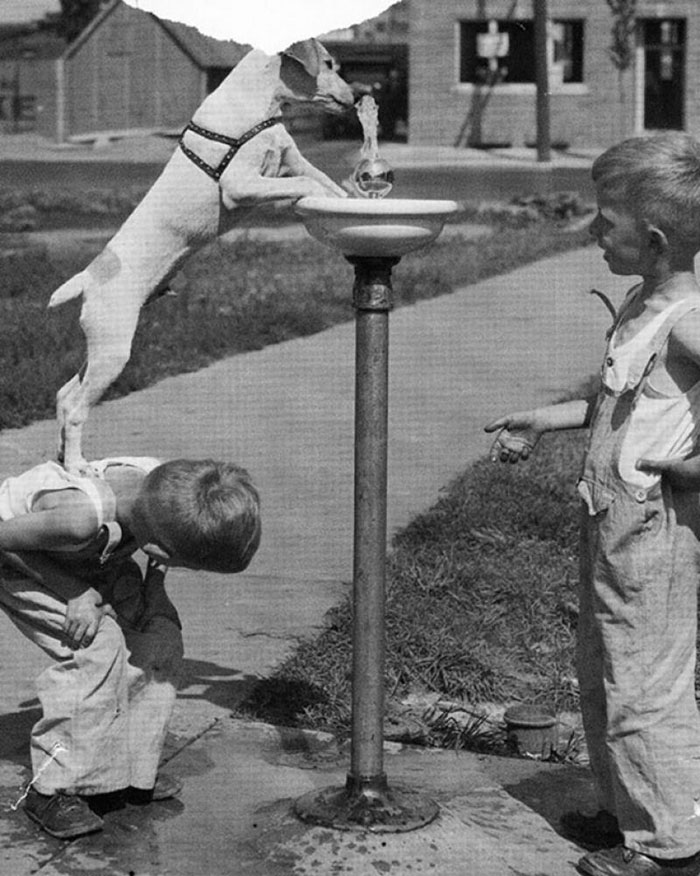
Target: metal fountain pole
{"type": "Point", "coordinates": [366, 801]}
{"type": "Point", "coordinates": [372, 301]}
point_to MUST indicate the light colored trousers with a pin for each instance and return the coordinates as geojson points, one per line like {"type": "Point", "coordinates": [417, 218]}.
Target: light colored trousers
{"type": "Point", "coordinates": [637, 632]}
{"type": "Point", "coordinates": [105, 707]}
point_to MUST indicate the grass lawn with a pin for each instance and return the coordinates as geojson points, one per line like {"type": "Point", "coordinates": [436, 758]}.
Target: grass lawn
{"type": "Point", "coordinates": [481, 604]}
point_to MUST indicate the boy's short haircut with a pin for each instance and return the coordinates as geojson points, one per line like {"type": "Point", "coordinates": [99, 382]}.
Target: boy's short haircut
{"type": "Point", "coordinates": [657, 179]}
{"type": "Point", "coordinates": [205, 513]}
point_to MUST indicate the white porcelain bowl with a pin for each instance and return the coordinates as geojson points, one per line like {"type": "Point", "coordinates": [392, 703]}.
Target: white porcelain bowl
{"type": "Point", "coordinates": [373, 226]}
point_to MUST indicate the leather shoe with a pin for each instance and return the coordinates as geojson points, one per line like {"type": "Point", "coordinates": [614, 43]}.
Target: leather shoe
{"type": "Point", "coordinates": [621, 861]}
{"type": "Point", "coordinates": [601, 831]}
{"type": "Point", "coordinates": [65, 816]}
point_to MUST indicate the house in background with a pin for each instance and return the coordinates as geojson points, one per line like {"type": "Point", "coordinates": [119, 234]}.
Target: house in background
{"type": "Point", "coordinates": [28, 57]}
{"type": "Point", "coordinates": [127, 70]}
{"type": "Point", "coordinates": [472, 72]}
{"type": "Point", "coordinates": [466, 67]}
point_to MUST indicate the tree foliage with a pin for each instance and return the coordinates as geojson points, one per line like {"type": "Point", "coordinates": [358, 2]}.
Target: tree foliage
{"type": "Point", "coordinates": [76, 15]}
{"type": "Point", "coordinates": [624, 22]}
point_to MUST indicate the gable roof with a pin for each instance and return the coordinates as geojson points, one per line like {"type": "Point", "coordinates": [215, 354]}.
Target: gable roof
{"type": "Point", "coordinates": [204, 51]}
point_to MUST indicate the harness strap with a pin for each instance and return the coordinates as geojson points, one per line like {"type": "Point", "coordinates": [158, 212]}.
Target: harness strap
{"type": "Point", "coordinates": [234, 144]}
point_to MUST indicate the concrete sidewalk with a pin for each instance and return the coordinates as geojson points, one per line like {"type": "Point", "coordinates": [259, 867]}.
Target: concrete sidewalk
{"type": "Point", "coordinates": [148, 147]}
{"type": "Point", "coordinates": [286, 412]}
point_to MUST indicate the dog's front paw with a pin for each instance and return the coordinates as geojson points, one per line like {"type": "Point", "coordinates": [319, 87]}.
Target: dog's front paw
{"type": "Point", "coordinates": [317, 189]}
{"type": "Point", "coordinates": [349, 188]}
{"type": "Point", "coordinates": [330, 189]}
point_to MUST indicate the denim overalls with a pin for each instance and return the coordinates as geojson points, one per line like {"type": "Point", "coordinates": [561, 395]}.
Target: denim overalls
{"type": "Point", "coordinates": [640, 568]}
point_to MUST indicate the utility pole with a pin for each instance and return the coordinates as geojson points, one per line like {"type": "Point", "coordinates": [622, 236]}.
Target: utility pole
{"type": "Point", "coordinates": [542, 79]}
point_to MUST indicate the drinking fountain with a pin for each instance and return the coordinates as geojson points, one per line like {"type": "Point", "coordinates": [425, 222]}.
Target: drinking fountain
{"type": "Point", "coordinates": [373, 234]}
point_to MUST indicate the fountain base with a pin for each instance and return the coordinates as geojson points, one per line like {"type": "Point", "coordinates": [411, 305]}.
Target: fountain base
{"type": "Point", "coordinates": [367, 805]}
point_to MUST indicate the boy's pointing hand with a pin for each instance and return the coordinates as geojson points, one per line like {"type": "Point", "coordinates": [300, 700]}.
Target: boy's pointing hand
{"type": "Point", "coordinates": [516, 439]}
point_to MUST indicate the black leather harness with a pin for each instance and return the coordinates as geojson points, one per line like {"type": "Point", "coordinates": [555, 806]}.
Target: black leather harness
{"type": "Point", "coordinates": [234, 145]}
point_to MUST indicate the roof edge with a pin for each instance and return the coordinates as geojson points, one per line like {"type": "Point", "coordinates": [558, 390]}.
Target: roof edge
{"type": "Point", "coordinates": [178, 42]}
{"type": "Point", "coordinates": [94, 24]}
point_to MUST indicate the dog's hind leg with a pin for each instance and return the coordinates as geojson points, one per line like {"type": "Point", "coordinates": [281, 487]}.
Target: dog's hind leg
{"type": "Point", "coordinates": [109, 332]}
{"type": "Point", "coordinates": [69, 452]}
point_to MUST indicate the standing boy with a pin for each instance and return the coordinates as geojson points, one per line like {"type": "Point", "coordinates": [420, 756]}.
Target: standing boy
{"type": "Point", "coordinates": [640, 548]}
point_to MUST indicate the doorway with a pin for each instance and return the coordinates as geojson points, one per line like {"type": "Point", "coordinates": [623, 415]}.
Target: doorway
{"type": "Point", "coordinates": [661, 66]}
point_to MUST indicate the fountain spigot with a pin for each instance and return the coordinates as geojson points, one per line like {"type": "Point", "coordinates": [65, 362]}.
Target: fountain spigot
{"type": "Point", "coordinates": [373, 177]}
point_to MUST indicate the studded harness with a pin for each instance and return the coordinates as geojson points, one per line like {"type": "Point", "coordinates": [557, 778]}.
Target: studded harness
{"type": "Point", "coordinates": [234, 144]}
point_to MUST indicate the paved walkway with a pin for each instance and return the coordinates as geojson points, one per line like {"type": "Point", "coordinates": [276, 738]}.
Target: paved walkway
{"type": "Point", "coordinates": [286, 412]}
{"type": "Point", "coordinates": [142, 147]}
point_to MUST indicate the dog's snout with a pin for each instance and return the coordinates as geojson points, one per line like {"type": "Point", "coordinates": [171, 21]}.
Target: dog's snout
{"type": "Point", "coordinates": [343, 93]}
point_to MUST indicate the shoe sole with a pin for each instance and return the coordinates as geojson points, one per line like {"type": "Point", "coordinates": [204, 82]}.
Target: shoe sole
{"type": "Point", "coordinates": [169, 796]}
{"type": "Point", "coordinates": [62, 834]}
{"type": "Point", "coordinates": [586, 871]}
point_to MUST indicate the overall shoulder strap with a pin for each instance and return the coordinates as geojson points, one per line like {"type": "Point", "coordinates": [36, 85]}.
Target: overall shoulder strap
{"type": "Point", "coordinates": [644, 365]}
{"type": "Point", "coordinates": [622, 309]}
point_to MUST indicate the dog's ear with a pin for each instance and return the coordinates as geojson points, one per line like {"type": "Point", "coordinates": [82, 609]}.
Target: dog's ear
{"type": "Point", "coordinates": [307, 53]}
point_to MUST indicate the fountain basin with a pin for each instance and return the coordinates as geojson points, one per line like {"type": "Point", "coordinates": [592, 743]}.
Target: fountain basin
{"type": "Point", "coordinates": [373, 227]}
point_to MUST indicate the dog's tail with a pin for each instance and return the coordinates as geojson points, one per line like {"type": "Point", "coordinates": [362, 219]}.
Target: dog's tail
{"type": "Point", "coordinates": [72, 288]}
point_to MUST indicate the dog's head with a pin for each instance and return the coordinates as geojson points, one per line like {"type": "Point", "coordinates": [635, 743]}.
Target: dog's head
{"type": "Point", "coordinates": [308, 74]}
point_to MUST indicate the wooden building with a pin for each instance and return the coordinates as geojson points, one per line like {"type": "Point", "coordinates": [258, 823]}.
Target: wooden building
{"type": "Point", "coordinates": [127, 70]}
{"type": "Point", "coordinates": [28, 57]}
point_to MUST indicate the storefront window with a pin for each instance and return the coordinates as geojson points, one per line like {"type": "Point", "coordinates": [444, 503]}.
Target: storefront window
{"type": "Point", "coordinates": [504, 51]}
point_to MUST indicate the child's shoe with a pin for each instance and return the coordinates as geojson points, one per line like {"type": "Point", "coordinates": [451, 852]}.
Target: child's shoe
{"type": "Point", "coordinates": [165, 788]}
{"type": "Point", "coordinates": [65, 816]}
{"type": "Point", "coordinates": [621, 861]}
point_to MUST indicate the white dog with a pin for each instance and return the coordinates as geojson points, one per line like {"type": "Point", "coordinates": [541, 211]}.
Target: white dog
{"type": "Point", "coordinates": [235, 152]}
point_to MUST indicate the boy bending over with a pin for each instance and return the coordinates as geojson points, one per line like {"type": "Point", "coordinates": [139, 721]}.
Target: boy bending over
{"type": "Point", "coordinates": [69, 583]}
{"type": "Point", "coordinates": [640, 554]}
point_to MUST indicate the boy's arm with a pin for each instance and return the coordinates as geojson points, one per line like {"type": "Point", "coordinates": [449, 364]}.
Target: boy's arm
{"type": "Point", "coordinates": [158, 602]}
{"type": "Point", "coordinates": [681, 472]}
{"type": "Point", "coordinates": [520, 431]}
{"type": "Point", "coordinates": [58, 519]}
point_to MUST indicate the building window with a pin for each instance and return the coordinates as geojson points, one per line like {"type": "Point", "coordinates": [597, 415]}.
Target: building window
{"type": "Point", "coordinates": [504, 51]}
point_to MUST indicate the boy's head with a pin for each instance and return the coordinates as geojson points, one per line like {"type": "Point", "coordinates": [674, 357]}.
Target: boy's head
{"type": "Point", "coordinates": [655, 180]}
{"type": "Point", "coordinates": [199, 513]}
